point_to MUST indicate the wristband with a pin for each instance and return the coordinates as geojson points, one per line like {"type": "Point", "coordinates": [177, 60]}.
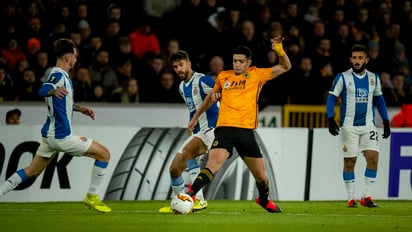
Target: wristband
{"type": "Point", "coordinates": [279, 49]}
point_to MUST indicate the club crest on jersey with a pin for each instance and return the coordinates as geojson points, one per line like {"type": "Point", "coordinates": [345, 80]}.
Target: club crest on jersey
{"type": "Point", "coordinates": [195, 90]}
{"type": "Point", "coordinates": [344, 148]}
{"type": "Point", "coordinates": [372, 82]}
{"type": "Point", "coordinates": [83, 138]}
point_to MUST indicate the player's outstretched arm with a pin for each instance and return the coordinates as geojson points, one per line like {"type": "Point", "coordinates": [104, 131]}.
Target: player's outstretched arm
{"type": "Point", "coordinates": [284, 61]}
{"type": "Point", "coordinates": [210, 99]}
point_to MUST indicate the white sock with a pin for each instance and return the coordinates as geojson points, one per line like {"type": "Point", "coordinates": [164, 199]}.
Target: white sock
{"type": "Point", "coordinates": [193, 174]}
{"type": "Point", "coordinates": [349, 179]}
{"type": "Point", "coordinates": [370, 179]}
{"type": "Point", "coordinates": [350, 188]}
{"type": "Point", "coordinates": [11, 183]}
{"type": "Point", "coordinates": [178, 185]}
{"type": "Point", "coordinates": [98, 172]}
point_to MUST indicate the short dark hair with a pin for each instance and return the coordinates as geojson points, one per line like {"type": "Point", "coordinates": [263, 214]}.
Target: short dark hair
{"type": "Point", "coordinates": [242, 50]}
{"type": "Point", "coordinates": [63, 46]}
{"type": "Point", "coordinates": [359, 48]}
{"type": "Point", "coordinates": [179, 55]}
{"type": "Point", "coordinates": [12, 112]}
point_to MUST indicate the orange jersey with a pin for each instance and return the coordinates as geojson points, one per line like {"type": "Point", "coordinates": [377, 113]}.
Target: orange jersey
{"type": "Point", "coordinates": [240, 94]}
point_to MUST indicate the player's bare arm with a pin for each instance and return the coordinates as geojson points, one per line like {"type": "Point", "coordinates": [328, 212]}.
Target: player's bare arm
{"type": "Point", "coordinates": [210, 99]}
{"type": "Point", "coordinates": [84, 110]}
{"type": "Point", "coordinates": [284, 62]}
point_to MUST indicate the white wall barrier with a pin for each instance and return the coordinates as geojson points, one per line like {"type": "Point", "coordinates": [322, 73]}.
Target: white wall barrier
{"type": "Point", "coordinates": [140, 158]}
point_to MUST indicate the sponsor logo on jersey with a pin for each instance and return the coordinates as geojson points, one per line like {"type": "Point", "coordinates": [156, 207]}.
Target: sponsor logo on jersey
{"type": "Point", "coordinates": [361, 95]}
{"type": "Point", "coordinates": [235, 85]}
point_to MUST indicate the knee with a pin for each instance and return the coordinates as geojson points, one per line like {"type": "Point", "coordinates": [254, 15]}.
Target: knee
{"type": "Point", "coordinates": [106, 154]}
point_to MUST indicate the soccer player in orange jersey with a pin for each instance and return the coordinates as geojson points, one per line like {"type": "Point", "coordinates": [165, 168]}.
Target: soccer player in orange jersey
{"type": "Point", "coordinates": [238, 92]}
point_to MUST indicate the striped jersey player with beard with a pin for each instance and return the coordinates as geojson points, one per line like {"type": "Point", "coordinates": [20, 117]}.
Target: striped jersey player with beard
{"type": "Point", "coordinates": [194, 88]}
{"type": "Point", "coordinates": [360, 91]}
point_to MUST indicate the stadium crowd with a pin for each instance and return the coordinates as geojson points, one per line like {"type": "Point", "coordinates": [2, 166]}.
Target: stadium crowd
{"type": "Point", "coordinates": [124, 48]}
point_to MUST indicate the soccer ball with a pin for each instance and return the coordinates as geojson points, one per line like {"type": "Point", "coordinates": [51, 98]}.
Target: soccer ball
{"type": "Point", "coordinates": [182, 203]}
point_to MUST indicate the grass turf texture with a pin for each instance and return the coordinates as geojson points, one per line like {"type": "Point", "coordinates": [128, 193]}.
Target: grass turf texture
{"type": "Point", "coordinates": [221, 215]}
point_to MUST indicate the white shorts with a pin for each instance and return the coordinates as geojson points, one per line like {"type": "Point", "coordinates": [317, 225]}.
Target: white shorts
{"type": "Point", "coordinates": [356, 139]}
{"type": "Point", "coordinates": [72, 145]}
{"type": "Point", "coordinates": [207, 136]}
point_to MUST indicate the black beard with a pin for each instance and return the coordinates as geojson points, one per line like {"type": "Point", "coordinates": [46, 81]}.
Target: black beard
{"type": "Point", "coordinates": [359, 70]}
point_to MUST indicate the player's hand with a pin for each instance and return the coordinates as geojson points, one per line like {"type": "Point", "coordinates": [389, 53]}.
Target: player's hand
{"type": "Point", "coordinates": [216, 97]}
{"type": "Point", "coordinates": [386, 129]}
{"type": "Point", "coordinates": [277, 45]}
{"type": "Point", "coordinates": [59, 92]}
{"type": "Point", "coordinates": [191, 126]}
{"type": "Point", "coordinates": [87, 111]}
{"type": "Point", "coordinates": [333, 127]}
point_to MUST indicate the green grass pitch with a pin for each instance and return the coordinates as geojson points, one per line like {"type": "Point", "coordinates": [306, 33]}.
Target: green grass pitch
{"type": "Point", "coordinates": [221, 215]}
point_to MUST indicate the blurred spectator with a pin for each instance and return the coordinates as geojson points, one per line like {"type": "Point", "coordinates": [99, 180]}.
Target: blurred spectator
{"type": "Point", "coordinates": [149, 75]}
{"type": "Point", "coordinates": [21, 65]}
{"type": "Point", "coordinates": [307, 88]}
{"type": "Point", "coordinates": [341, 44]}
{"type": "Point", "coordinates": [85, 33]}
{"type": "Point", "coordinates": [404, 117]}
{"type": "Point", "coordinates": [13, 53]}
{"type": "Point", "coordinates": [168, 91]}
{"type": "Point", "coordinates": [322, 62]}
{"type": "Point", "coordinates": [102, 71]}
{"type": "Point", "coordinates": [399, 56]}
{"type": "Point", "coordinates": [89, 48]}
{"type": "Point", "coordinates": [375, 63]}
{"type": "Point", "coordinates": [123, 68]}
{"type": "Point", "coordinates": [82, 85]}
{"type": "Point", "coordinates": [248, 37]}
{"type": "Point", "coordinates": [10, 16]}
{"type": "Point", "coordinates": [28, 89]}
{"type": "Point", "coordinates": [127, 93]}
{"type": "Point", "coordinates": [13, 117]}
{"type": "Point", "coordinates": [157, 8]}
{"type": "Point", "coordinates": [172, 46]}
{"type": "Point", "coordinates": [41, 64]}
{"type": "Point", "coordinates": [394, 95]}
{"type": "Point", "coordinates": [33, 46]}
{"type": "Point", "coordinates": [111, 35]}
{"type": "Point", "coordinates": [35, 29]}
{"type": "Point", "coordinates": [124, 49]}
{"type": "Point", "coordinates": [143, 40]}
{"type": "Point", "coordinates": [98, 92]}
{"type": "Point", "coordinates": [7, 92]}
{"type": "Point", "coordinates": [294, 36]}
{"type": "Point", "coordinates": [386, 80]}
{"type": "Point", "coordinates": [216, 65]}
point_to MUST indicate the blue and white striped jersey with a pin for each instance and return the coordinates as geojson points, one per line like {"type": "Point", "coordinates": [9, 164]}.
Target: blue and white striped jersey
{"type": "Point", "coordinates": [60, 111]}
{"type": "Point", "coordinates": [194, 92]}
{"type": "Point", "coordinates": [357, 93]}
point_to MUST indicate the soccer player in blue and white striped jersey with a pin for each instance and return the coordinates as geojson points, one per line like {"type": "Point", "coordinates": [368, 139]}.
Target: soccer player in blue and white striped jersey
{"type": "Point", "coordinates": [57, 133]}
{"type": "Point", "coordinates": [360, 91]}
{"type": "Point", "coordinates": [194, 88]}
